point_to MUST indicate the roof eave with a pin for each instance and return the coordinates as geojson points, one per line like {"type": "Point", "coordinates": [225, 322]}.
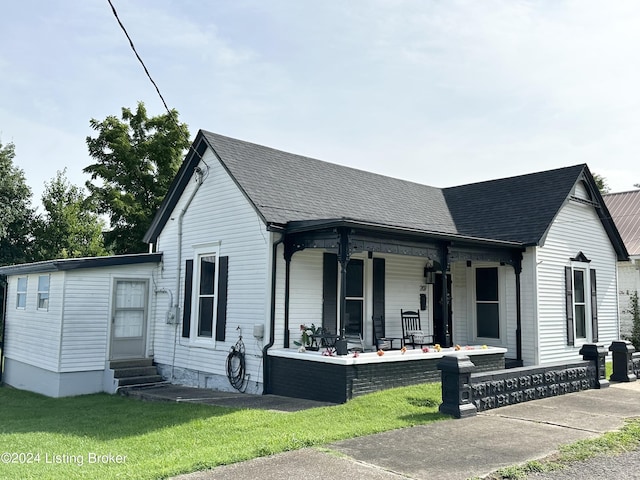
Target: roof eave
{"type": "Point", "coordinates": [78, 263]}
{"type": "Point", "coordinates": [180, 182]}
{"type": "Point", "coordinates": [310, 225]}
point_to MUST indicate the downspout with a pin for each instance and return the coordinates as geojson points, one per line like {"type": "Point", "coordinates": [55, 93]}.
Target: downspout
{"type": "Point", "coordinates": [199, 181]}
{"type": "Point", "coordinates": [272, 320]}
{"type": "Point", "coordinates": [3, 321]}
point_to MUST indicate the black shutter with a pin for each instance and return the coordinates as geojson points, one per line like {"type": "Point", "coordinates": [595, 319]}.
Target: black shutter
{"type": "Point", "coordinates": [568, 279]}
{"type": "Point", "coordinates": [186, 308]}
{"type": "Point", "coordinates": [378, 291]}
{"type": "Point", "coordinates": [221, 314]}
{"type": "Point", "coordinates": [594, 307]}
{"type": "Point", "coordinates": [330, 292]}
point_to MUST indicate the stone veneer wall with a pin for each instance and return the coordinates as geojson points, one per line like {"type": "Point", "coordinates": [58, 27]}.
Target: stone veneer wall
{"type": "Point", "coordinates": [498, 389]}
{"type": "Point", "coordinates": [465, 391]}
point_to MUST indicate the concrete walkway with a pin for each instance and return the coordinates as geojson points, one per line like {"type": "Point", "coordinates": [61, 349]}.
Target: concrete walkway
{"type": "Point", "coordinates": [452, 449]}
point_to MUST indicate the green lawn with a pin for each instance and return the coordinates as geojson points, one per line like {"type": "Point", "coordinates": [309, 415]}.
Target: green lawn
{"type": "Point", "coordinates": [64, 438]}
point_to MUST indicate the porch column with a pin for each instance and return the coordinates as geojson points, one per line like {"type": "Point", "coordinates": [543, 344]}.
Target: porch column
{"type": "Point", "coordinates": [517, 267]}
{"type": "Point", "coordinates": [444, 262]}
{"type": "Point", "coordinates": [343, 258]}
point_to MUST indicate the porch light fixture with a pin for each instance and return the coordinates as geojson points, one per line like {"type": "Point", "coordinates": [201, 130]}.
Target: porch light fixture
{"type": "Point", "coordinates": [429, 273]}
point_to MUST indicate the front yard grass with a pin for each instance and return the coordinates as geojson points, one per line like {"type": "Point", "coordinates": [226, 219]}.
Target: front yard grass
{"type": "Point", "coordinates": [81, 437]}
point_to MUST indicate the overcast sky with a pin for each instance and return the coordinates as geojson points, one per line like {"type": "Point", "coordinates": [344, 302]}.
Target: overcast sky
{"type": "Point", "coordinates": [437, 92]}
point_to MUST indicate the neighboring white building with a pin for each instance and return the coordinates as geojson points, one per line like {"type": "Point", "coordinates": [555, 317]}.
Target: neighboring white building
{"type": "Point", "coordinates": [66, 318]}
{"type": "Point", "coordinates": [625, 210]}
{"type": "Point", "coordinates": [256, 242]}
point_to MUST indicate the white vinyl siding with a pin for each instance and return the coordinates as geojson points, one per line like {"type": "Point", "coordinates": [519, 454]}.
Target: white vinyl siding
{"type": "Point", "coordinates": [305, 299]}
{"type": "Point", "coordinates": [575, 229]}
{"type": "Point", "coordinates": [73, 334]}
{"type": "Point", "coordinates": [220, 213]}
{"type": "Point", "coordinates": [403, 277]}
{"type": "Point", "coordinates": [33, 336]}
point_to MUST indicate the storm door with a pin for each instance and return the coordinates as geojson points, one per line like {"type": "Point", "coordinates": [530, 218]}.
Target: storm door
{"type": "Point", "coordinates": [129, 319]}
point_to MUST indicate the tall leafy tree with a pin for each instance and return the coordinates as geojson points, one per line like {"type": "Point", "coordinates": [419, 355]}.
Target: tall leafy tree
{"type": "Point", "coordinates": [136, 160]}
{"type": "Point", "coordinates": [601, 183]}
{"type": "Point", "coordinates": [69, 228]}
{"type": "Point", "coordinates": [16, 214]}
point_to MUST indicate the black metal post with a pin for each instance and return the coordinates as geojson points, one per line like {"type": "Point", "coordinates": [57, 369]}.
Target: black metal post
{"type": "Point", "coordinates": [622, 352]}
{"type": "Point", "coordinates": [343, 258]}
{"type": "Point", "coordinates": [456, 386]}
{"type": "Point", "coordinates": [517, 266]}
{"type": "Point", "coordinates": [596, 354]}
{"type": "Point", "coordinates": [444, 262]}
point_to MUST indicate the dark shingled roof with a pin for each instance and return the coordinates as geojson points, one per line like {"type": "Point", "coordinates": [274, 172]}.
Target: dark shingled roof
{"type": "Point", "coordinates": [286, 188]}
{"type": "Point", "coordinates": [625, 210]}
{"type": "Point", "coordinates": [518, 209]}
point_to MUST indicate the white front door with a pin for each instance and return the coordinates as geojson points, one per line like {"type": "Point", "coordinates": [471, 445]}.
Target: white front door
{"type": "Point", "coordinates": [129, 319]}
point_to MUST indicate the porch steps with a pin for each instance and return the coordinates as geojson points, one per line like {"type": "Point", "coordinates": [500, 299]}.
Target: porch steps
{"type": "Point", "coordinates": [135, 372]}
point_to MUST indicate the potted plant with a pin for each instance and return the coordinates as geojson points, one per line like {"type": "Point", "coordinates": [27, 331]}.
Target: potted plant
{"type": "Point", "coordinates": [306, 340]}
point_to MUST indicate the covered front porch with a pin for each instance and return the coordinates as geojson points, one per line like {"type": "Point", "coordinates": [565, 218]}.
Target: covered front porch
{"type": "Point", "coordinates": [348, 277]}
{"type": "Point", "coordinates": [318, 376]}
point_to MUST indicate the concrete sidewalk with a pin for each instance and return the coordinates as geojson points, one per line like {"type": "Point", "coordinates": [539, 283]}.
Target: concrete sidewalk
{"type": "Point", "coordinates": [452, 449]}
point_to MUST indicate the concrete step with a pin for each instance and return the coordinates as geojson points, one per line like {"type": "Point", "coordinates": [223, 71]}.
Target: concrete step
{"type": "Point", "coordinates": [135, 362]}
{"type": "Point", "coordinates": [141, 380]}
{"type": "Point", "coordinates": [134, 372]}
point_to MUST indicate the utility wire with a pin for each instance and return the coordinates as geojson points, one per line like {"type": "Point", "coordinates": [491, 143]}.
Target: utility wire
{"type": "Point", "coordinates": [133, 47]}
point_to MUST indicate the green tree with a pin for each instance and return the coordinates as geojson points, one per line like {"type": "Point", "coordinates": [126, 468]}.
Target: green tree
{"type": "Point", "coordinates": [634, 310]}
{"type": "Point", "coordinates": [69, 228]}
{"type": "Point", "coordinates": [16, 214]}
{"type": "Point", "coordinates": [601, 183]}
{"type": "Point", "coordinates": [136, 160]}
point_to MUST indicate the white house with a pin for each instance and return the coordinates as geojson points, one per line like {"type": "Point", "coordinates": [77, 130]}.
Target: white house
{"type": "Point", "coordinates": [256, 242]}
{"type": "Point", "coordinates": [625, 210]}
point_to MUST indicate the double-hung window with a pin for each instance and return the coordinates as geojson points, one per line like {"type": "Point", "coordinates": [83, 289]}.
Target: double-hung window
{"type": "Point", "coordinates": [205, 296]}
{"type": "Point", "coordinates": [487, 303]}
{"type": "Point", "coordinates": [21, 293]}
{"type": "Point", "coordinates": [43, 292]}
{"type": "Point", "coordinates": [581, 301]}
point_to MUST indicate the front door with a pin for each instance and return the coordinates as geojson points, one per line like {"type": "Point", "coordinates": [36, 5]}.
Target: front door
{"type": "Point", "coordinates": [438, 322]}
{"type": "Point", "coordinates": [129, 319]}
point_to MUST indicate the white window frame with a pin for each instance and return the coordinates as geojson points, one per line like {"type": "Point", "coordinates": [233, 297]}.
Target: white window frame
{"type": "Point", "coordinates": [502, 339]}
{"type": "Point", "coordinates": [202, 251]}
{"type": "Point", "coordinates": [585, 269]}
{"type": "Point", "coordinates": [21, 293]}
{"type": "Point", "coordinates": [42, 299]}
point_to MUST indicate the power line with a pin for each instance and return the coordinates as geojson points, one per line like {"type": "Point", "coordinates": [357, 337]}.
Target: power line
{"type": "Point", "coordinates": [146, 70]}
